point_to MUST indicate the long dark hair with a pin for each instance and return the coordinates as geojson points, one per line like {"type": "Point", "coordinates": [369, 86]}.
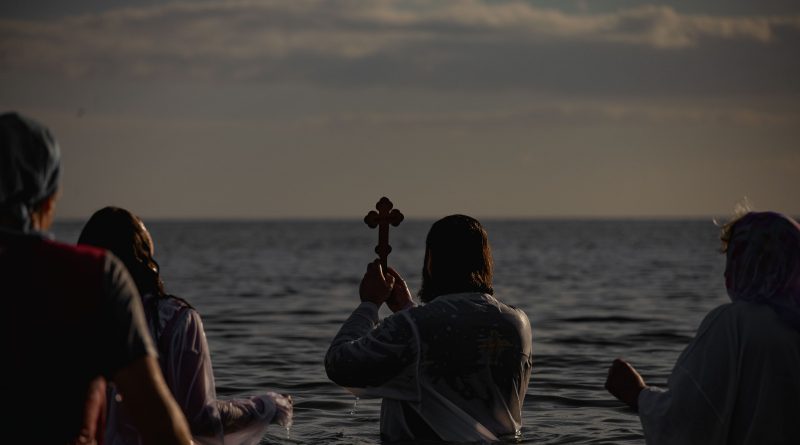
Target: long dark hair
{"type": "Point", "coordinates": [457, 258]}
{"type": "Point", "coordinates": [123, 233]}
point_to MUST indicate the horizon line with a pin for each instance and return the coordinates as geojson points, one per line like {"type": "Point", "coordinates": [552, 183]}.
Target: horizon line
{"type": "Point", "coordinates": [69, 220]}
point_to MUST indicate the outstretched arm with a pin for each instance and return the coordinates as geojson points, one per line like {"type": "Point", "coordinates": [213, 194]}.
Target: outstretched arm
{"type": "Point", "coordinates": [241, 414]}
{"type": "Point", "coordinates": [191, 377]}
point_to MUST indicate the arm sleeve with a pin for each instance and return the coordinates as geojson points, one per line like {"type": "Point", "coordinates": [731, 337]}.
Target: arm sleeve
{"type": "Point", "coordinates": [191, 378]}
{"type": "Point", "coordinates": [702, 384]}
{"type": "Point", "coordinates": [128, 338]}
{"type": "Point", "coordinates": [367, 354]}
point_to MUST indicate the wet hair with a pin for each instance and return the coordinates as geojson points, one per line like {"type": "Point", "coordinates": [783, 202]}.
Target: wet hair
{"type": "Point", "coordinates": [459, 258]}
{"type": "Point", "coordinates": [123, 234]}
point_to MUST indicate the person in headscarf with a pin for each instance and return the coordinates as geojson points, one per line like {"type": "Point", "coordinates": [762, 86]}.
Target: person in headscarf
{"type": "Point", "coordinates": [71, 317]}
{"type": "Point", "coordinates": [182, 347]}
{"type": "Point", "coordinates": [30, 169]}
{"type": "Point", "coordinates": [738, 381]}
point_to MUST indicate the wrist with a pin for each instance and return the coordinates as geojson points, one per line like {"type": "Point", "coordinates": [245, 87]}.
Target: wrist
{"type": "Point", "coordinates": [634, 401]}
{"type": "Point", "coordinates": [408, 304]}
{"type": "Point", "coordinates": [374, 300]}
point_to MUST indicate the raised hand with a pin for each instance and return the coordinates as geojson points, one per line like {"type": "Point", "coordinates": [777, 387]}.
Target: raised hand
{"type": "Point", "coordinates": [400, 298]}
{"type": "Point", "coordinates": [376, 286]}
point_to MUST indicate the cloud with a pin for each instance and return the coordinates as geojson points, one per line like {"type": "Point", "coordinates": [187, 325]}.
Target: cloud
{"type": "Point", "coordinates": [394, 42]}
{"type": "Point", "coordinates": [558, 113]}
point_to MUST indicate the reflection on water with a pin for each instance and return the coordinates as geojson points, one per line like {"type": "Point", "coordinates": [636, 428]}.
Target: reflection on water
{"type": "Point", "coordinates": [273, 294]}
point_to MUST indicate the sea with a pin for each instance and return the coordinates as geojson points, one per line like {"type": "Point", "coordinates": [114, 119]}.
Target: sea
{"type": "Point", "coordinates": [272, 294]}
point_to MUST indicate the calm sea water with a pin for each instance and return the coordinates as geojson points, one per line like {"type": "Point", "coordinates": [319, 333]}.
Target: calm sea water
{"type": "Point", "coordinates": [273, 294]}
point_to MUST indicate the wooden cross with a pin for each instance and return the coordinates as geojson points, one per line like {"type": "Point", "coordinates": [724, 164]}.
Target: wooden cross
{"type": "Point", "coordinates": [381, 219]}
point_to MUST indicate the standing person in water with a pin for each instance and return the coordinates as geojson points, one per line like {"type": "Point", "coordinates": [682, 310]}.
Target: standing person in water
{"type": "Point", "coordinates": [455, 369]}
{"type": "Point", "coordinates": [183, 350]}
{"type": "Point", "coordinates": [738, 381]}
{"type": "Point", "coordinates": [71, 316]}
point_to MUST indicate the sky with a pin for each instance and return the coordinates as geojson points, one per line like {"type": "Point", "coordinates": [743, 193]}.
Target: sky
{"type": "Point", "coordinates": [497, 109]}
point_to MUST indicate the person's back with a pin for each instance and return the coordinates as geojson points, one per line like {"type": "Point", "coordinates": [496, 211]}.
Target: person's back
{"type": "Point", "coordinates": [70, 315]}
{"type": "Point", "coordinates": [54, 300]}
{"type": "Point", "coordinates": [764, 354]}
{"type": "Point", "coordinates": [455, 369]}
{"type": "Point", "coordinates": [475, 354]}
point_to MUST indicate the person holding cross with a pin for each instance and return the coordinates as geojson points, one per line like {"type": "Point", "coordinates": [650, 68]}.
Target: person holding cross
{"type": "Point", "coordinates": [453, 369]}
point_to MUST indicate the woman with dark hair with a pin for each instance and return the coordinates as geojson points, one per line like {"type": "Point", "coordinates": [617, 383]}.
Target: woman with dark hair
{"type": "Point", "coordinates": [738, 381]}
{"type": "Point", "coordinates": [184, 357]}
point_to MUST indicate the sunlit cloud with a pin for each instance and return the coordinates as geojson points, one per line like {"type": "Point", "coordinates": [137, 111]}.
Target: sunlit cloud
{"type": "Point", "coordinates": [316, 40]}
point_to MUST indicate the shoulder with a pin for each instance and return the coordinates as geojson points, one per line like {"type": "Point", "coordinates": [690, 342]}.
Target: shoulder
{"type": "Point", "coordinates": [517, 319]}
{"type": "Point", "coordinates": [512, 310]}
{"type": "Point", "coordinates": [512, 314]}
{"type": "Point", "coordinates": [172, 309]}
{"type": "Point", "coordinates": [742, 320]}
{"type": "Point", "coordinates": [521, 319]}
{"type": "Point", "coordinates": [69, 255]}
{"type": "Point", "coordinates": [718, 318]}
{"type": "Point", "coordinates": [759, 323]}
{"type": "Point", "coordinates": [70, 270]}
{"type": "Point", "coordinates": [174, 303]}
{"type": "Point", "coordinates": [484, 306]}
{"type": "Point", "coordinates": [737, 313]}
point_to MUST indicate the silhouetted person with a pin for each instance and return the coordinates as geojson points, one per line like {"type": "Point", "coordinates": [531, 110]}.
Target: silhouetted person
{"type": "Point", "coordinates": [455, 369]}
{"type": "Point", "coordinates": [182, 347]}
{"type": "Point", "coordinates": [738, 381]}
{"type": "Point", "coordinates": [71, 316]}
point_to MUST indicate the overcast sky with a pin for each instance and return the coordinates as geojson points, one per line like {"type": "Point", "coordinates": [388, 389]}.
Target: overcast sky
{"type": "Point", "coordinates": [306, 108]}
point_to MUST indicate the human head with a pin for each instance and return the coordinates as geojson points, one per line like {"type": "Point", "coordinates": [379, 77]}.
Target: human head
{"type": "Point", "coordinates": [763, 259]}
{"type": "Point", "coordinates": [457, 258]}
{"type": "Point", "coordinates": [30, 168]}
{"type": "Point", "coordinates": [124, 234]}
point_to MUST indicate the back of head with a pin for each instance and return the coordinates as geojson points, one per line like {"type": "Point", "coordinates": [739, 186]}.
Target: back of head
{"type": "Point", "coordinates": [121, 232]}
{"type": "Point", "coordinates": [457, 258]}
{"type": "Point", "coordinates": [763, 262]}
{"type": "Point", "coordinates": [29, 169]}
{"type": "Point", "coordinates": [763, 258]}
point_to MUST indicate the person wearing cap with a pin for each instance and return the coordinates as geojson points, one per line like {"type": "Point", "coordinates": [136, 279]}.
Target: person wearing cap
{"type": "Point", "coordinates": [71, 316]}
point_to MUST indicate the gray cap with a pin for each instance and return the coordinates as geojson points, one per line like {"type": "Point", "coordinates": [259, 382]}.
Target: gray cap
{"type": "Point", "coordinates": [30, 167]}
